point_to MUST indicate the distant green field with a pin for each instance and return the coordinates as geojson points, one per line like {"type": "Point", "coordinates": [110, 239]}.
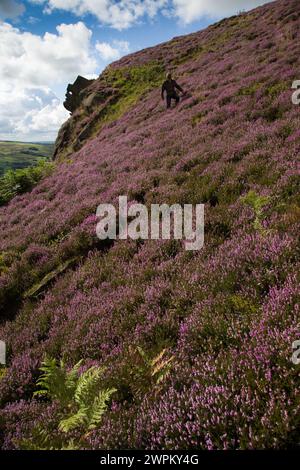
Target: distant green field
{"type": "Point", "coordinates": [14, 155]}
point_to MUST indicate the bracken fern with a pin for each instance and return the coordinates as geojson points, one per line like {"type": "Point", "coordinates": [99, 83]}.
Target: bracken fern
{"type": "Point", "coordinates": [80, 397]}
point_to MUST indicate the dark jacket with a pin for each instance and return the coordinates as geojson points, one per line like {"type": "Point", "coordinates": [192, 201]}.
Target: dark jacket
{"type": "Point", "coordinates": [170, 87]}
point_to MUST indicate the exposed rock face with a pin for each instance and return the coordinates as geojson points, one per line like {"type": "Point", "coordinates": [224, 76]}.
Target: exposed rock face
{"type": "Point", "coordinates": [73, 94]}
{"type": "Point", "coordinates": [62, 137]}
{"type": "Point", "coordinates": [88, 98]}
{"type": "Point", "coordinates": [76, 94]}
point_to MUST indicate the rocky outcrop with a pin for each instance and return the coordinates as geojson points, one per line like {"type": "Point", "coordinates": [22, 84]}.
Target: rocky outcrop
{"type": "Point", "coordinates": [73, 94]}
{"type": "Point", "coordinates": [91, 105]}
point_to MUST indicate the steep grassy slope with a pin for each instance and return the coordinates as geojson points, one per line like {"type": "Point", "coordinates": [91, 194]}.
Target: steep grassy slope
{"type": "Point", "coordinates": [227, 315]}
{"type": "Point", "coordinates": [15, 155]}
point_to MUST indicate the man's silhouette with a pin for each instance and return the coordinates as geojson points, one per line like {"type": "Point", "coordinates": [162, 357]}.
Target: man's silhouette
{"type": "Point", "coordinates": [170, 86]}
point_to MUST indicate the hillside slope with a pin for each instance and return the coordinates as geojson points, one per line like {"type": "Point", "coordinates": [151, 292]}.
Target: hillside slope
{"type": "Point", "coordinates": [227, 315]}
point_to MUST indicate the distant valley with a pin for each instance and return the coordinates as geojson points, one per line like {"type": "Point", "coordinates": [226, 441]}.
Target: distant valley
{"type": "Point", "coordinates": [15, 155]}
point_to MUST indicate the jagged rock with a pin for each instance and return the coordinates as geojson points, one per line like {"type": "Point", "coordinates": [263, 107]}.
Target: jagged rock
{"type": "Point", "coordinates": [73, 94]}
{"type": "Point", "coordinates": [81, 95]}
{"type": "Point", "coordinates": [63, 138]}
{"type": "Point", "coordinates": [96, 98]}
{"type": "Point", "coordinates": [99, 112]}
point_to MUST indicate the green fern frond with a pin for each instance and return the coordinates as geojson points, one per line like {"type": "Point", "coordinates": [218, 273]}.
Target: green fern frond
{"type": "Point", "coordinates": [72, 376]}
{"type": "Point", "coordinates": [48, 369]}
{"type": "Point", "coordinates": [99, 407]}
{"type": "Point", "coordinates": [88, 385]}
{"type": "Point", "coordinates": [41, 393]}
{"type": "Point", "coordinates": [53, 382]}
{"type": "Point", "coordinates": [70, 445]}
{"type": "Point", "coordinates": [74, 421]}
{"type": "Point", "coordinates": [81, 398]}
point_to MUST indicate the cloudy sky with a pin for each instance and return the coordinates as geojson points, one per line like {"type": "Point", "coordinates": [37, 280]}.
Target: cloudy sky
{"type": "Point", "coordinates": [45, 44]}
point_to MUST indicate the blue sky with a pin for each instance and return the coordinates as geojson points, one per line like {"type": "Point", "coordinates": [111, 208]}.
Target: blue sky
{"type": "Point", "coordinates": [45, 44]}
{"type": "Point", "coordinates": [141, 34]}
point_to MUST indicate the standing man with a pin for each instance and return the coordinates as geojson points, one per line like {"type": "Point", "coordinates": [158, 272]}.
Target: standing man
{"type": "Point", "coordinates": [170, 86]}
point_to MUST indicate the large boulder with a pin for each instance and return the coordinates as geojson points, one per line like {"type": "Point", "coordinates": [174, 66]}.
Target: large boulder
{"type": "Point", "coordinates": [73, 94]}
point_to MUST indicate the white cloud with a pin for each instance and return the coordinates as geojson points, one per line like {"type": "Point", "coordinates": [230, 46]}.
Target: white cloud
{"type": "Point", "coordinates": [33, 20]}
{"type": "Point", "coordinates": [122, 14]}
{"type": "Point", "coordinates": [119, 14]}
{"type": "Point", "coordinates": [30, 114]}
{"type": "Point", "coordinates": [28, 59]}
{"type": "Point", "coordinates": [43, 120]}
{"type": "Point", "coordinates": [112, 51]}
{"type": "Point", "coordinates": [30, 66]}
{"type": "Point", "coordinates": [192, 10]}
{"type": "Point", "coordinates": [10, 9]}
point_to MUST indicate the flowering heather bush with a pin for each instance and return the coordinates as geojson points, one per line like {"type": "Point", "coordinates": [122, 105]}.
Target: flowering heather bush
{"type": "Point", "coordinates": [226, 315]}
